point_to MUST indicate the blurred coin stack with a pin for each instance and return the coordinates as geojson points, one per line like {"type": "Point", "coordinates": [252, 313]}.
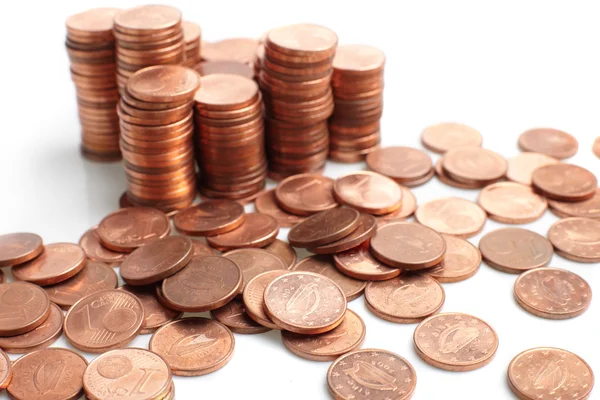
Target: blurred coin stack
{"type": "Point", "coordinates": [358, 91]}
{"type": "Point", "coordinates": [192, 36]}
{"type": "Point", "coordinates": [295, 79]}
{"type": "Point", "coordinates": [156, 136]}
{"type": "Point", "coordinates": [91, 48]}
{"type": "Point", "coordinates": [230, 137]}
{"type": "Point", "coordinates": [147, 35]}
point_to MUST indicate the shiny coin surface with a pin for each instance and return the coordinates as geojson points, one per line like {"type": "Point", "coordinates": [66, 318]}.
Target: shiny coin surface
{"type": "Point", "coordinates": [577, 239]}
{"type": "Point", "coordinates": [155, 314]}
{"type": "Point", "coordinates": [58, 262]}
{"type": "Point", "coordinates": [358, 263]}
{"type": "Point", "coordinates": [5, 370]}
{"type": "Point", "coordinates": [234, 316]}
{"type": "Point", "coordinates": [403, 164]}
{"type": "Point", "coordinates": [586, 209]}
{"type": "Point", "coordinates": [409, 205]}
{"type": "Point", "coordinates": [130, 228]}
{"type": "Point", "coordinates": [284, 251]}
{"type": "Point", "coordinates": [461, 261]}
{"type": "Point", "coordinates": [164, 83]}
{"type": "Point", "coordinates": [23, 307]}
{"type": "Point", "coordinates": [548, 141]}
{"type": "Point", "coordinates": [324, 227]}
{"type": "Point", "coordinates": [474, 165]}
{"type": "Point", "coordinates": [266, 204]}
{"type": "Point", "coordinates": [17, 248]}
{"type": "Point", "coordinates": [254, 297]}
{"type": "Point", "coordinates": [253, 262]}
{"type": "Point", "coordinates": [521, 167]}
{"type": "Point", "coordinates": [94, 250]}
{"type": "Point", "coordinates": [444, 178]}
{"type": "Point", "coordinates": [452, 216]}
{"type": "Point", "coordinates": [305, 194]}
{"type": "Point", "coordinates": [368, 192]}
{"type": "Point", "coordinates": [210, 218]}
{"type": "Point", "coordinates": [39, 338]}
{"type": "Point", "coordinates": [512, 203]}
{"type": "Point", "coordinates": [445, 136]}
{"type": "Point", "coordinates": [564, 182]}
{"type": "Point", "coordinates": [367, 225]}
{"type": "Point", "coordinates": [257, 230]}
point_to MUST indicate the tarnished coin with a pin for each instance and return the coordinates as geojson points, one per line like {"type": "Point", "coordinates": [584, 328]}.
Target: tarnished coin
{"type": "Point", "coordinates": [461, 261]}
{"type": "Point", "coordinates": [266, 204]}
{"type": "Point", "coordinates": [512, 203]}
{"type": "Point", "coordinates": [565, 182]}
{"type": "Point", "coordinates": [155, 314]}
{"type": "Point", "coordinates": [409, 205]}
{"type": "Point", "coordinates": [586, 209]}
{"type": "Point", "coordinates": [94, 250]}
{"type": "Point", "coordinates": [368, 192]}
{"type": "Point", "coordinates": [323, 265]}
{"type": "Point", "coordinates": [305, 194]}
{"type": "Point", "coordinates": [210, 218]}
{"type": "Point", "coordinates": [474, 165]}
{"type": "Point", "coordinates": [5, 370]}
{"type": "Point", "coordinates": [324, 227]}
{"type": "Point", "coordinates": [445, 136]}
{"type": "Point", "coordinates": [132, 227]}
{"type": "Point", "coordinates": [253, 262]}
{"type": "Point", "coordinates": [201, 249]}
{"type": "Point", "coordinates": [284, 251]}
{"type": "Point", "coordinates": [371, 374]}
{"type": "Point", "coordinates": [328, 346]}
{"type": "Point", "coordinates": [452, 216]}
{"type": "Point", "coordinates": [408, 245]}
{"type": "Point", "coordinates": [550, 373]}
{"type": "Point", "coordinates": [104, 321]}
{"type": "Point", "coordinates": [403, 164]}
{"type": "Point", "coordinates": [367, 225]}
{"type": "Point", "coordinates": [515, 250]}
{"type": "Point", "coordinates": [304, 302]}
{"type": "Point", "coordinates": [39, 338]}
{"type": "Point", "coordinates": [48, 374]}
{"type": "Point", "coordinates": [577, 239]}
{"type": "Point", "coordinates": [17, 248]}
{"type": "Point", "coordinates": [257, 230]}
{"type": "Point", "coordinates": [548, 141]}
{"type": "Point", "coordinates": [521, 167]}
{"type": "Point", "coordinates": [405, 299]}
{"type": "Point", "coordinates": [553, 293]}
{"type": "Point", "coordinates": [23, 307]}
{"type": "Point", "coordinates": [254, 297]}
{"type": "Point", "coordinates": [194, 346]}
{"type": "Point", "coordinates": [358, 263]}
{"type": "Point", "coordinates": [58, 262]}
{"type": "Point", "coordinates": [455, 342]}
{"type": "Point", "coordinates": [234, 316]}
{"type": "Point", "coordinates": [207, 283]}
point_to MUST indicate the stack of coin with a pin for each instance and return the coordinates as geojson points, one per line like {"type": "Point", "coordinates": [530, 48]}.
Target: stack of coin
{"type": "Point", "coordinates": [295, 79]}
{"type": "Point", "coordinates": [156, 136]}
{"type": "Point", "coordinates": [147, 35]}
{"type": "Point", "coordinates": [192, 36]}
{"type": "Point", "coordinates": [358, 92]}
{"type": "Point", "coordinates": [91, 47]}
{"type": "Point", "coordinates": [230, 137]}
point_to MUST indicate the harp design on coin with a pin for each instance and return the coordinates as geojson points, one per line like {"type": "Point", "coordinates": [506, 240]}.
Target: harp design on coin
{"type": "Point", "coordinates": [410, 293]}
{"type": "Point", "coordinates": [550, 377]}
{"type": "Point", "coordinates": [372, 377]}
{"type": "Point", "coordinates": [47, 375]}
{"type": "Point", "coordinates": [555, 290]}
{"type": "Point", "coordinates": [190, 344]}
{"type": "Point", "coordinates": [456, 337]}
{"type": "Point", "coordinates": [304, 301]}
{"type": "Point", "coordinates": [589, 238]}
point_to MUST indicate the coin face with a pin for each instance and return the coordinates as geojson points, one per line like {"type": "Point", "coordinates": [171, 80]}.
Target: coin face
{"type": "Point", "coordinates": [234, 316]}
{"type": "Point", "coordinates": [547, 372]}
{"type": "Point", "coordinates": [23, 307]}
{"type": "Point", "coordinates": [452, 216]}
{"type": "Point", "coordinates": [360, 264]}
{"type": "Point", "coordinates": [367, 225]}
{"type": "Point", "coordinates": [254, 297]}
{"type": "Point", "coordinates": [284, 251]}
{"type": "Point", "coordinates": [94, 250]}
{"type": "Point", "coordinates": [266, 204]}
{"type": "Point", "coordinates": [586, 209]}
{"type": "Point", "coordinates": [474, 165]}
{"type": "Point", "coordinates": [164, 83]}
{"type": "Point", "coordinates": [368, 192]}
{"type": "Point", "coordinates": [548, 141]}
{"type": "Point", "coordinates": [155, 314]}
{"type": "Point", "coordinates": [445, 136]}
{"type": "Point", "coordinates": [133, 227]}
{"type": "Point", "coordinates": [194, 346]}
{"type": "Point", "coordinates": [234, 49]}
{"type": "Point", "coordinates": [564, 182]}
{"type": "Point", "coordinates": [380, 373]}
{"type": "Point", "coordinates": [324, 227]}
{"type": "Point", "coordinates": [225, 67]}
{"type": "Point", "coordinates": [258, 230]}
{"type": "Point", "coordinates": [521, 167]}
{"type": "Point", "coordinates": [17, 248]}
{"type": "Point", "coordinates": [409, 205]}
{"type": "Point", "coordinates": [147, 18]}
{"type": "Point", "coordinates": [58, 262]}
{"type": "Point", "coordinates": [358, 59]}
{"type": "Point", "coordinates": [305, 194]}
{"type": "Point", "coordinates": [302, 38]}
{"type": "Point", "coordinates": [455, 342]}
{"type": "Point", "coordinates": [210, 218]}
{"type": "Point", "coordinates": [5, 370]}
{"type": "Point", "coordinates": [39, 338]}
{"type": "Point", "coordinates": [512, 203]}
{"type": "Point", "coordinates": [577, 239]}
{"type": "Point", "coordinates": [253, 262]}
{"type": "Point", "coordinates": [461, 261]}
{"type": "Point", "coordinates": [443, 177]}
{"type": "Point", "coordinates": [400, 163]}
{"type": "Point", "coordinates": [96, 20]}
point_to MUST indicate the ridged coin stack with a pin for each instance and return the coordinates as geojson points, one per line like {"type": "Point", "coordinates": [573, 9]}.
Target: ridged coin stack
{"type": "Point", "coordinates": [295, 79]}
{"type": "Point", "coordinates": [157, 129]}
{"type": "Point", "coordinates": [91, 47]}
{"type": "Point", "coordinates": [354, 129]}
{"type": "Point", "coordinates": [192, 35]}
{"type": "Point", "coordinates": [230, 137]}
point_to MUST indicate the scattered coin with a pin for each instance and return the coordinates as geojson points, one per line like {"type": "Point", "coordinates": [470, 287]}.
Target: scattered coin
{"type": "Point", "coordinates": [586, 209]}
{"type": "Point", "coordinates": [442, 176]}
{"type": "Point", "coordinates": [452, 216]}
{"type": "Point", "coordinates": [253, 262]}
{"type": "Point", "coordinates": [548, 141]}
{"type": "Point", "coordinates": [445, 136]}
{"type": "Point", "coordinates": [474, 165]}
{"type": "Point", "coordinates": [201, 249]}
{"type": "Point", "coordinates": [254, 297]}
{"type": "Point", "coordinates": [284, 251]}
{"type": "Point", "coordinates": [461, 261]}
{"type": "Point", "coordinates": [210, 218]}
{"type": "Point", "coordinates": [155, 314]}
{"type": "Point", "coordinates": [358, 263]}
{"type": "Point", "coordinates": [403, 164]}
{"type": "Point", "coordinates": [58, 262]}
{"type": "Point", "coordinates": [18, 248]}
{"type": "Point", "coordinates": [565, 182]}
{"type": "Point", "coordinates": [512, 203]}
{"type": "Point", "coordinates": [94, 250]}
{"type": "Point", "coordinates": [521, 167]}
{"type": "Point", "coordinates": [234, 316]}
{"type": "Point", "coordinates": [409, 205]}
{"type": "Point", "coordinates": [266, 204]}
{"type": "Point", "coordinates": [577, 239]}
{"type": "Point", "coordinates": [368, 192]}
{"type": "Point", "coordinates": [258, 230]}
{"type": "Point", "coordinates": [24, 307]}
{"type": "Point", "coordinates": [324, 227]}
{"type": "Point", "coordinates": [305, 194]}
{"type": "Point", "coordinates": [5, 370]}
{"type": "Point", "coordinates": [37, 339]}
{"type": "Point", "coordinates": [367, 225]}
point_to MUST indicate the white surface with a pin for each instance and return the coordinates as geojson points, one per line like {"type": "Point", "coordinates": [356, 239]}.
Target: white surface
{"type": "Point", "coordinates": [501, 68]}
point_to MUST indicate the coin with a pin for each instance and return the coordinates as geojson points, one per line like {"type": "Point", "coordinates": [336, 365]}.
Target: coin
{"type": "Point", "coordinates": [164, 83]}
{"type": "Point", "coordinates": [448, 135]}
{"type": "Point", "coordinates": [284, 251]}
{"type": "Point", "coordinates": [5, 370]}
{"type": "Point", "coordinates": [452, 216]}
{"type": "Point", "coordinates": [253, 262]}
{"type": "Point", "coordinates": [130, 228]}
{"type": "Point", "coordinates": [300, 39]}
{"type": "Point", "coordinates": [254, 297]}
{"type": "Point", "coordinates": [461, 261]}
{"type": "Point", "coordinates": [225, 67]}
{"type": "Point", "coordinates": [403, 164]}
{"type": "Point", "coordinates": [408, 245]}
{"type": "Point", "coordinates": [155, 314]}
{"type": "Point", "coordinates": [358, 263]}
{"type": "Point", "coordinates": [58, 262]}
{"type": "Point", "coordinates": [104, 321]}
{"type": "Point", "coordinates": [94, 250]}
{"type": "Point", "coordinates": [577, 239]}
{"type": "Point", "coordinates": [565, 182]}
{"type": "Point", "coordinates": [531, 375]}
{"type": "Point", "coordinates": [2, 277]}
{"type": "Point", "coordinates": [234, 316]}
{"type": "Point", "coordinates": [305, 194]}
{"type": "Point", "coordinates": [185, 344]}
{"type": "Point", "coordinates": [48, 374]}
{"type": "Point", "coordinates": [39, 338]}
{"type": "Point", "coordinates": [210, 218]}
{"type": "Point", "coordinates": [368, 192]}
{"type": "Point", "coordinates": [258, 230]}
{"type": "Point", "coordinates": [207, 283]}
{"type": "Point", "coordinates": [17, 248]}
{"type": "Point", "coordinates": [266, 204]}
{"type": "Point", "coordinates": [304, 302]}
{"type": "Point", "coordinates": [409, 205]}
{"type": "Point", "coordinates": [380, 373]}
{"type": "Point", "coordinates": [548, 141]}
{"type": "Point", "coordinates": [366, 229]}
{"type": "Point", "coordinates": [23, 307]}
{"type": "Point", "coordinates": [444, 178]}
{"type": "Point", "coordinates": [512, 203]}
{"type": "Point", "coordinates": [474, 165]}
{"type": "Point", "coordinates": [586, 209]}
{"type": "Point", "coordinates": [232, 49]}
{"type": "Point", "coordinates": [324, 227]}
{"type": "Point", "coordinates": [521, 167]}
{"type": "Point", "coordinates": [455, 342]}
{"type": "Point", "coordinates": [515, 250]}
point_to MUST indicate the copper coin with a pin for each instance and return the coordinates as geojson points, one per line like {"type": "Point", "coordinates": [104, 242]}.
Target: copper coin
{"type": "Point", "coordinates": [164, 83]}
{"type": "Point", "coordinates": [550, 373]}
{"type": "Point", "coordinates": [408, 245]}
{"type": "Point", "coordinates": [97, 21]}
{"type": "Point", "coordinates": [596, 147]}
{"type": "Point", "coordinates": [521, 167]}
{"type": "Point", "coordinates": [553, 293]}
{"type": "Point", "coordinates": [253, 262]}
{"type": "Point", "coordinates": [266, 204]}
{"type": "Point", "coordinates": [371, 374]}
{"type": "Point", "coordinates": [586, 209]}
{"type": "Point", "coordinates": [474, 164]}
{"type": "Point", "coordinates": [358, 263]}
{"type": "Point", "coordinates": [234, 316]}
{"type": "Point", "coordinates": [39, 338]}
{"type": "Point", "coordinates": [58, 262]}
{"type": "Point", "coordinates": [136, 374]}
{"type": "Point", "coordinates": [226, 92]}
{"type": "Point", "coordinates": [233, 49]}
{"type": "Point", "coordinates": [452, 216]}
{"type": "Point", "coordinates": [254, 297]}
{"type": "Point", "coordinates": [95, 277]}
{"type": "Point", "coordinates": [324, 227]}
{"type": "Point", "coordinates": [403, 164]}
{"type": "Point", "coordinates": [409, 205]}
{"type": "Point", "coordinates": [130, 228]}
{"type": "Point", "coordinates": [23, 307]}
{"type": "Point", "coordinates": [548, 141]}
{"type": "Point", "coordinates": [461, 261]}
{"type": "Point", "coordinates": [210, 218]}
{"type": "Point", "coordinates": [201, 249]}
{"type": "Point", "coordinates": [368, 192]}
{"type": "Point", "coordinates": [328, 346]}
{"type": "Point", "coordinates": [207, 283]}
{"type": "Point", "coordinates": [565, 182]}
{"type": "Point", "coordinates": [444, 178]}
{"type": "Point", "coordinates": [48, 374]}
{"type": "Point", "coordinates": [284, 251]}
{"type": "Point", "coordinates": [455, 342]}
{"type": "Point", "coordinates": [577, 239]}
{"type": "Point", "coordinates": [300, 39]}
{"type": "Point", "coordinates": [17, 248]}
{"type": "Point", "coordinates": [155, 314]}
{"type": "Point", "coordinates": [512, 203]}
{"type": "Point", "coordinates": [305, 194]}
{"type": "Point", "coordinates": [445, 136]}
{"type": "Point", "coordinates": [147, 19]}
{"type": "Point", "coordinates": [194, 346]}
{"type": "Point", "coordinates": [258, 230]}
{"type": "Point", "coordinates": [304, 302]}
{"type": "Point", "coordinates": [367, 226]}
{"type": "Point", "coordinates": [104, 321]}
{"type": "Point", "coordinates": [225, 67]}
{"type": "Point", "coordinates": [323, 265]}
{"type": "Point", "coordinates": [5, 370]}
{"type": "Point", "coordinates": [515, 250]}
{"type": "Point", "coordinates": [94, 250]}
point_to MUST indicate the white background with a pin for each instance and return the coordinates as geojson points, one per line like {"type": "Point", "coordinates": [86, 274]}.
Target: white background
{"type": "Point", "coordinates": [501, 67]}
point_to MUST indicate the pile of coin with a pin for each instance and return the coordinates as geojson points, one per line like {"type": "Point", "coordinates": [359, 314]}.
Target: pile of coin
{"type": "Point", "coordinates": [91, 47]}
{"type": "Point", "coordinates": [230, 137]}
{"type": "Point", "coordinates": [357, 84]}
{"type": "Point", "coordinates": [192, 36]}
{"type": "Point", "coordinates": [156, 136]}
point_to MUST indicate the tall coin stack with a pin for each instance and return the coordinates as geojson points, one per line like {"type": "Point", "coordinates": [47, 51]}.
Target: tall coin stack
{"type": "Point", "coordinates": [357, 83]}
{"type": "Point", "coordinates": [157, 136]}
{"type": "Point", "coordinates": [295, 80]}
{"type": "Point", "coordinates": [91, 48]}
{"type": "Point", "coordinates": [147, 35]}
{"type": "Point", "coordinates": [230, 137]}
{"type": "Point", "coordinates": [192, 35]}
